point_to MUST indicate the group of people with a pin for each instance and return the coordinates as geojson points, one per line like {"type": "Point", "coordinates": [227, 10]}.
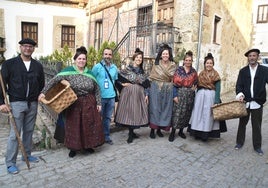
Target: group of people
{"type": "Point", "coordinates": [170, 97]}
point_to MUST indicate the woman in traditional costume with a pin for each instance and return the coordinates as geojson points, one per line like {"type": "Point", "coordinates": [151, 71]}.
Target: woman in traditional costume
{"type": "Point", "coordinates": [132, 109]}
{"type": "Point", "coordinates": [202, 123]}
{"type": "Point", "coordinates": [161, 91]}
{"type": "Point", "coordinates": [185, 82]}
{"type": "Point", "coordinates": [83, 127]}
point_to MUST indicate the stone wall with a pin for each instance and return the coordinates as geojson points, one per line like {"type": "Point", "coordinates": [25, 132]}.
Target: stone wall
{"type": "Point", "coordinates": [234, 34]}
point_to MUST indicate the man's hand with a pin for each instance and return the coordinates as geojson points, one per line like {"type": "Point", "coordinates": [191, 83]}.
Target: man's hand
{"type": "Point", "coordinates": [4, 108]}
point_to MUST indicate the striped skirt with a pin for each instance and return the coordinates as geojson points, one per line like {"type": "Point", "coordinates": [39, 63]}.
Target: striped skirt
{"type": "Point", "coordinates": [132, 109]}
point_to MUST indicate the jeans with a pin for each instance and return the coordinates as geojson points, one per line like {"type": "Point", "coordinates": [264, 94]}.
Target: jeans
{"type": "Point", "coordinates": [107, 109]}
{"type": "Point", "coordinates": [25, 117]}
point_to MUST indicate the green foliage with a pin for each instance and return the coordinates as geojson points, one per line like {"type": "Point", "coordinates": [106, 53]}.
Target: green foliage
{"type": "Point", "coordinates": [112, 45]}
{"type": "Point", "coordinates": [91, 57]}
{"type": "Point", "coordinates": [180, 55]}
{"type": "Point", "coordinates": [64, 55]}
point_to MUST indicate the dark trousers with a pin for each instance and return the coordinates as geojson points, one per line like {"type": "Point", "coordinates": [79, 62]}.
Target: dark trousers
{"type": "Point", "coordinates": [256, 120]}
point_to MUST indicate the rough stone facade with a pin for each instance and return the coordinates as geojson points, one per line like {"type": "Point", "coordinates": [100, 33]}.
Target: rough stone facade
{"type": "Point", "coordinates": [233, 35]}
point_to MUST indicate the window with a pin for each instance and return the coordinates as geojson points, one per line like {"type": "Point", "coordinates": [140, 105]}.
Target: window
{"type": "Point", "coordinates": [216, 33]}
{"type": "Point", "coordinates": [145, 17]}
{"type": "Point", "coordinates": [68, 36]}
{"type": "Point", "coordinates": [29, 30]}
{"type": "Point", "coordinates": [262, 14]}
{"type": "Point", "coordinates": [98, 34]}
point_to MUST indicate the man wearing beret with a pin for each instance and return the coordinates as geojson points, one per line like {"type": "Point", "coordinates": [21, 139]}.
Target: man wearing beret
{"type": "Point", "coordinates": [24, 79]}
{"type": "Point", "coordinates": [250, 87]}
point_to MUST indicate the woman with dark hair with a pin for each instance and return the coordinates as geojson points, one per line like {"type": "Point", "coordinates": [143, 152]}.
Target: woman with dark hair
{"type": "Point", "coordinates": [83, 127]}
{"type": "Point", "coordinates": [185, 81]}
{"type": "Point", "coordinates": [202, 123]}
{"type": "Point", "coordinates": [161, 91]}
{"type": "Point", "coordinates": [132, 110]}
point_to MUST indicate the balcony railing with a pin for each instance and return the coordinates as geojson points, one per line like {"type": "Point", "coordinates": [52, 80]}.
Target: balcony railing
{"type": "Point", "coordinates": [148, 38]}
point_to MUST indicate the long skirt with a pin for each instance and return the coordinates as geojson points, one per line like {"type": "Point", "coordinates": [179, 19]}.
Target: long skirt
{"type": "Point", "coordinates": [202, 123]}
{"type": "Point", "coordinates": [182, 110]}
{"type": "Point", "coordinates": [83, 127]}
{"type": "Point", "coordinates": [160, 105]}
{"type": "Point", "coordinates": [132, 111]}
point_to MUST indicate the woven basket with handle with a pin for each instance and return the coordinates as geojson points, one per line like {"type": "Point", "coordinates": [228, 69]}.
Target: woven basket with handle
{"type": "Point", "coordinates": [229, 110]}
{"type": "Point", "coordinates": [60, 96]}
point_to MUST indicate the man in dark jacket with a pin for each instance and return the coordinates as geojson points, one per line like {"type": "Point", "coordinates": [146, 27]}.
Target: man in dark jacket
{"type": "Point", "coordinates": [24, 79]}
{"type": "Point", "coordinates": [250, 87]}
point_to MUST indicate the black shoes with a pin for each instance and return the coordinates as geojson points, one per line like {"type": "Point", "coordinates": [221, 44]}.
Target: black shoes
{"type": "Point", "coordinates": [152, 134]}
{"type": "Point", "coordinates": [72, 153]}
{"type": "Point", "coordinates": [182, 135]}
{"type": "Point", "coordinates": [90, 150]}
{"type": "Point", "coordinates": [171, 137]}
{"type": "Point", "coordinates": [158, 132]}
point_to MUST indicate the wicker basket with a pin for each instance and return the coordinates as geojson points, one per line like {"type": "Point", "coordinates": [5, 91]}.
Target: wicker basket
{"type": "Point", "coordinates": [60, 96]}
{"type": "Point", "coordinates": [229, 110]}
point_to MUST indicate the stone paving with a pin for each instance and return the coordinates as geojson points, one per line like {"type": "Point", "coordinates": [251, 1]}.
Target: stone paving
{"type": "Point", "coordinates": [150, 163]}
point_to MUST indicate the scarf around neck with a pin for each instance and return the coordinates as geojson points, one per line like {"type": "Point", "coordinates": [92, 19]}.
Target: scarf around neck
{"type": "Point", "coordinates": [73, 70]}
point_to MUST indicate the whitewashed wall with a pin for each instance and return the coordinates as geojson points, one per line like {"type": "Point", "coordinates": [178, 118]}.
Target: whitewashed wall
{"type": "Point", "coordinates": [15, 12]}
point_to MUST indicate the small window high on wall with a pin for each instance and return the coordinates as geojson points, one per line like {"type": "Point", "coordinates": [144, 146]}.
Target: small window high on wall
{"type": "Point", "coordinates": [98, 34]}
{"type": "Point", "coordinates": [145, 18]}
{"type": "Point", "coordinates": [68, 36]}
{"type": "Point", "coordinates": [29, 30]}
{"type": "Point", "coordinates": [262, 14]}
{"type": "Point", "coordinates": [216, 30]}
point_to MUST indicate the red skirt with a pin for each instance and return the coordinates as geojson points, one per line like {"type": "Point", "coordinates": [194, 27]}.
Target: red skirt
{"type": "Point", "coordinates": [83, 128]}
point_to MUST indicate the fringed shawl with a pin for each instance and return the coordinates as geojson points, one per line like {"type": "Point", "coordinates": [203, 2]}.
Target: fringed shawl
{"type": "Point", "coordinates": [207, 79]}
{"type": "Point", "coordinates": [163, 73]}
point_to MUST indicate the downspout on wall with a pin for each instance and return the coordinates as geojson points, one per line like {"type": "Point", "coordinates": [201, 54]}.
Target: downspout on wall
{"type": "Point", "coordinates": [199, 34]}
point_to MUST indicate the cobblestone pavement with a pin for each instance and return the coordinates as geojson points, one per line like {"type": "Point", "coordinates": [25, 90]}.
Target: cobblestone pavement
{"type": "Point", "coordinates": [148, 163]}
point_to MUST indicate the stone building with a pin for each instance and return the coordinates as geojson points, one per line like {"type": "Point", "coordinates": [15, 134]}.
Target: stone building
{"type": "Point", "coordinates": [222, 27]}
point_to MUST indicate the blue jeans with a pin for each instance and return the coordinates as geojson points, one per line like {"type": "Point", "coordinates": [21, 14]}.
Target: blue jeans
{"type": "Point", "coordinates": [107, 109]}
{"type": "Point", "coordinates": [25, 117]}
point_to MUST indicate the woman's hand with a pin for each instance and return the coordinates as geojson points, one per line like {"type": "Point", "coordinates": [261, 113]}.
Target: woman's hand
{"type": "Point", "coordinates": [146, 99]}
{"type": "Point", "coordinates": [99, 108]}
{"type": "Point", "coordinates": [65, 82]}
{"type": "Point", "coordinates": [126, 84]}
{"type": "Point", "coordinates": [176, 100]}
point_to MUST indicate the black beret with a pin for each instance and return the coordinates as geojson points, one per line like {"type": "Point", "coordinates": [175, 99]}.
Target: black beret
{"type": "Point", "coordinates": [28, 41]}
{"type": "Point", "coordinates": [252, 50]}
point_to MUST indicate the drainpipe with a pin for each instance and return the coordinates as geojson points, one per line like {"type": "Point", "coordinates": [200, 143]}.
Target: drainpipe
{"type": "Point", "coordinates": [199, 34]}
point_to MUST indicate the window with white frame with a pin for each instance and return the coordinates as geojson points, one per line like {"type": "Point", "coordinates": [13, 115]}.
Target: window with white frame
{"type": "Point", "coordinates": [262, 16]}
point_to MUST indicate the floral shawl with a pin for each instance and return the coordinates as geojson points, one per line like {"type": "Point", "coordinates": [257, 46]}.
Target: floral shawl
{"type": "Point", "coordinates": [183, 79]}
{"type": "Point", "coordinates": [207, 79]}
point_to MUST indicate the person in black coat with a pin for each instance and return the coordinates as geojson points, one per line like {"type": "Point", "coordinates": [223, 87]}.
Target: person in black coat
{"type": "Point", "coordinates": [250, 87]}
